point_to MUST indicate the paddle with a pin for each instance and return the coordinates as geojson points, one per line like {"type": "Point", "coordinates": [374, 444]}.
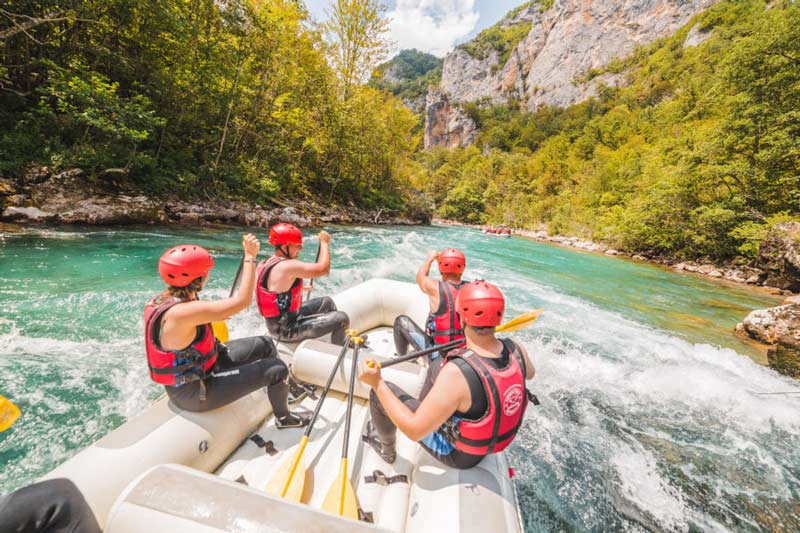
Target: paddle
{"type": "Point", "coordinates": [311, 281]}
{"type": "Point", "coordinates": [289, 481]}
{"type": "Point", "coordinates": [8, 413]}
{"type": "Point", "coordinates": [522, 321]}
{"type": "Point", "coordinates": [221, 328]}
{"type": "Point", "coordinates": [341, 498]}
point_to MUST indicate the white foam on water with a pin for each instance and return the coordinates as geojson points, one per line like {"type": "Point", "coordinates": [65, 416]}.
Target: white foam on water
{"type": "Point", "coordinates": [635, 423]}
{"type": "Point", "coordinates": [642, 485]}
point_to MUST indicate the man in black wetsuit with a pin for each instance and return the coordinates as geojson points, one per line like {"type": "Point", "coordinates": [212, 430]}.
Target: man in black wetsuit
{"type": "Point", "coordinates": [443, 324]}
{"type": "Point", "coordinates": [279, 290]}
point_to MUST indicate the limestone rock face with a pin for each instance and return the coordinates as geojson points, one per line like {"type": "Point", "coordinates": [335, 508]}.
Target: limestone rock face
{"type": "Point", "coordinates": [779, 256]}
{"type": "Point", "coordinates": [549, 66]}
{"type": "Point", "coordinates": [447, 125]}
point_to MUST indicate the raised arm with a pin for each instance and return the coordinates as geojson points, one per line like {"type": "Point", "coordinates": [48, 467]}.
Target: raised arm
{"type": "Point", "coordinates": [202, 312]}
{"type": "Point", "coordinates": [294, 268]}
{"type": "Point", "coordinates": [426, 284]}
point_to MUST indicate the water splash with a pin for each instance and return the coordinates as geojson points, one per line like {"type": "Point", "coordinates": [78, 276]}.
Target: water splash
{"type": "Point", "coordinates": [647, 422]}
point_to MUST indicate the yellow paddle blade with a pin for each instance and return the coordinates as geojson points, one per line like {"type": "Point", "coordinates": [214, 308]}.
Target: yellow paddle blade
{"type": "Point", "coordinates": [8, 413]}
{"type": "Point", "coordinates": [341, 498]}
{"type": "Point", "coordinates": [522, 321]}
{"type": "Point", "coordinates": [290, 479]}
{"type": "Point", "coordinates": [221, 331]}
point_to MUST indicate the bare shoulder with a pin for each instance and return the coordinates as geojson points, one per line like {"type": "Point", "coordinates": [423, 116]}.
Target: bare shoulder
{"type": "Point", "coordinates": [451, 376]}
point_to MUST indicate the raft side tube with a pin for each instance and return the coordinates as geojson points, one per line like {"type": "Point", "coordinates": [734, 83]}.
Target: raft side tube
{"type": "Point", "coordinates": [314, 361]}
{"type": "Point", "coordinates": [379, 301]}
{"type": "Point", "coordinates": [176, 498]}
{"type": "Point", "coordinates": [162, 433]}
{"type": "Point", "coordinates": [482, 498]}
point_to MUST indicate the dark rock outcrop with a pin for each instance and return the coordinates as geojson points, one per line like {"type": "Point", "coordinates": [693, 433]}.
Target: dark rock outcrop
{"type": "Point", "coordinates": [779, 256]}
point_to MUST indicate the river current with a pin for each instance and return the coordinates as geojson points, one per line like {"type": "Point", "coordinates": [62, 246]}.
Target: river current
{"type": "Point", "coordinates": [652, 417]}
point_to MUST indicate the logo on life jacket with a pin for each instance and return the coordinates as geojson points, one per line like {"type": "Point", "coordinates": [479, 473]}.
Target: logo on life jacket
{"type": "Point", "coordinates": [507, 401]}
{"type": "Point", "coordinates": [512, 400]}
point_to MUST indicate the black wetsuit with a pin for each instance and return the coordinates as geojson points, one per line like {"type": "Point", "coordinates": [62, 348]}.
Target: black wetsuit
{"type": "Point", "coordinates": [440, 443]}
{"type": "Point", "coordinates": [243, 366]}
{"type": "Point", "coordinates": [407, 334]}
{"type": "Point", "coordinates": [314, 319]}
{"type": "Point", "coordinates": [52, 506]}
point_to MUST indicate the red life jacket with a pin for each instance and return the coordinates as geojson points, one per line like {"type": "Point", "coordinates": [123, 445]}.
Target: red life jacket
{"type": "Point", "coordinates": [507, 400]}
{"type": "Point", "coordinates": [273, 304]}
{"type": "Point", "coordinates": [445, 325]}
{"type": "Point", "coordinates": [175, 368]}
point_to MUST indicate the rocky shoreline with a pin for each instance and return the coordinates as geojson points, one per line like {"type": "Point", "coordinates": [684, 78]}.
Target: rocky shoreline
{"type": "Point", "coordinates": [41, 196]}
{"type": "Point", "coordinates": [778, 282]}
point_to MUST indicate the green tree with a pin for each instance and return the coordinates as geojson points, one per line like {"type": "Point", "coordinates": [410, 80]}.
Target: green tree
{"type": "Point", "coordinates": [357, 31]}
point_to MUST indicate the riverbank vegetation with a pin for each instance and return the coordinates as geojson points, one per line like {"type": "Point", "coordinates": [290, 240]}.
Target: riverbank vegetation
{"type": "Point", "coordinates": [696, 154]}
{"type": "Point", "coordinates": [203, 98]}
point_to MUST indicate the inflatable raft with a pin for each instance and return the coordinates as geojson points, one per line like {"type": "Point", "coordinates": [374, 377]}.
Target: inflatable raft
{"type": "Point", "coordinates": [173, 470]}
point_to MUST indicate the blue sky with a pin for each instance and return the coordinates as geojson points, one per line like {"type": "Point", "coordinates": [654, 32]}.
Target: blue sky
{"type": "Point", "coordinates": [434, 26]}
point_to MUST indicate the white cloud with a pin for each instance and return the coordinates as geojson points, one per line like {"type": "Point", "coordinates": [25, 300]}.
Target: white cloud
{"type": "Point", "coordinates": [432, 26]}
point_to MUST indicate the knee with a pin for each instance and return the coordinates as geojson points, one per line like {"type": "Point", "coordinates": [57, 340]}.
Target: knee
{"type": "Point", "coordinates": [328, 304]}
{"type": "Point", "coordinates": [266, 346]}
{"type": "Point", "coordinates": [276, 373]}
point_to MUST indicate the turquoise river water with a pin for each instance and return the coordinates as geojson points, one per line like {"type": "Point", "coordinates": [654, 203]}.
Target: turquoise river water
{"type": "Point", "coordinates": [650, 418]}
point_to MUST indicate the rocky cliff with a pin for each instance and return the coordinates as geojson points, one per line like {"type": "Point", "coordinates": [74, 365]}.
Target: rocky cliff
{"type": "Point", "coordinates": [549, 65]}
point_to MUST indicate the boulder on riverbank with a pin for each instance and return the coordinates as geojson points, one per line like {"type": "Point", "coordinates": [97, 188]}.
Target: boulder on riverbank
{"type": "Point", "coordinates": [67, 197]}
{"type": "Point", "coordinates": [779, 256]}
{"type": "Point", "coordinates": [778, 327]}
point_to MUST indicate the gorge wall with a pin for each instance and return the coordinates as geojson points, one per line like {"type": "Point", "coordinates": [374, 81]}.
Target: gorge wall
{"type": "Point", "coordinates": [549, 66]}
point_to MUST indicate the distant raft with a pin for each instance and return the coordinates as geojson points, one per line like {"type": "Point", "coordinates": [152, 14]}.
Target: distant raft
{"type": "Point", "coordinates": [173, 470]}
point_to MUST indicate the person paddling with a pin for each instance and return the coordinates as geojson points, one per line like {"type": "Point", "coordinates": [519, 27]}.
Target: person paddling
{"type": "Point", "coordinates": [199, 372]}
{"type": "Point", "coordinates": [477, 401]}
{"type": "Point", "coordinates": [443, 324]}
{"type": "Point", "coordinates": [279, 290]}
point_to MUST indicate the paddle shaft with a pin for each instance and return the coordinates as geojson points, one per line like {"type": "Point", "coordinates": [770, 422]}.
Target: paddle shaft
{"type": "Point", "coordinates": [353, 368]}
{"type": "Point", "coordinates": [420, 353]}
{"type": "Point", "coordinates": [512, 325]}
{"type": "Point", "coordinates": [327, 388]}
{"type": "Point", "coordinates": [236, 278]}
{"type": "Point", "coordinates": [303, 441]}
{"type": "Point", "coordinates": [311, 281]}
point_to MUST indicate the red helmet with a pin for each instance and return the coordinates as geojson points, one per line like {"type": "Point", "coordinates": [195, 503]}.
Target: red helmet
{"type": "Point", "coordinates": [452, 261]}
{"type": "Point", "coordinates": [182, 264]}
{"type": "Point", "coordinates": [480, 304]}
{"type": "Point", "coordinates": [284, 233]}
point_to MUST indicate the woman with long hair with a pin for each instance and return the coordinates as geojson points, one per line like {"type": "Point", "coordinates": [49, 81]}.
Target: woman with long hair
{"type": "Point", "coordinates": [199, 372]}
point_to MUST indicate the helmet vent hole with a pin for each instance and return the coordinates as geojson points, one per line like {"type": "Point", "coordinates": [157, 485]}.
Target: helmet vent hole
{"type": "Point", "coordinates": [479, 313]}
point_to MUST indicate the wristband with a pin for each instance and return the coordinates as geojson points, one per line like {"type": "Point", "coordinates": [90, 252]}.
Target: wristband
{"type": "Point", "coordinates": [249, 261]}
